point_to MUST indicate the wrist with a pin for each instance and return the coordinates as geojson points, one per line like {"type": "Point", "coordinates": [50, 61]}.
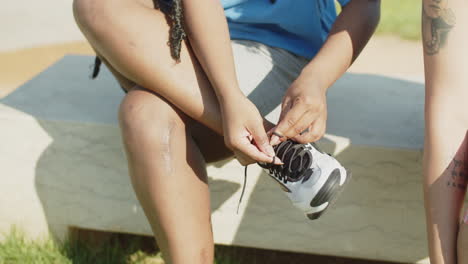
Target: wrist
{"type": "Point", "coordinates": [229, 96]}
{"type": "Point", "coordinates": [315, 78]}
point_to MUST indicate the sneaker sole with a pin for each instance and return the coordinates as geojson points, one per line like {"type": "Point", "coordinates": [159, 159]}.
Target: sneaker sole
{"type": "Point", "coordinates": [329, 193]}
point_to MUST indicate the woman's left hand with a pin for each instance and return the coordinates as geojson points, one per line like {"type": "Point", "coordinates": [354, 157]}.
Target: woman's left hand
{"type": "Point", "coordinates": [304, 112]}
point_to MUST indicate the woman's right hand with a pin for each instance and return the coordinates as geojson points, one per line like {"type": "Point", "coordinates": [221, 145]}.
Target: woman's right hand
{"type": "Point", "coordinates": [244, 132]}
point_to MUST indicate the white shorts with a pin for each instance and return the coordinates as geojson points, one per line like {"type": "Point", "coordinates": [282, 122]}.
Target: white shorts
{"type": "Point", "coordinates": [265, 73]}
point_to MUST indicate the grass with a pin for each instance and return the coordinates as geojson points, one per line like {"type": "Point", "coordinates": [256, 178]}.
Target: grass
{"type": "Point", "coordinates": [15, 249]}
{"type": "Point", "coordinates": [132, 249]}
{"type": "Point", "coordinates": [400, 18]}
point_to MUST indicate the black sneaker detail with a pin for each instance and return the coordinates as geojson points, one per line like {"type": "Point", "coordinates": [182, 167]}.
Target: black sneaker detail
{"type": "Point", "coordinates": [307, 174]}
{"type": "Point", "coordinates": [333, 194]}
{"type": "Point", "coordinates": [297, 160]}
{"type": "Point", "coordinates": [328, 190]}
{"type": "Point", "coordinates": [282, 186]}
{"type": "Point", "coordinates": [316, 215]}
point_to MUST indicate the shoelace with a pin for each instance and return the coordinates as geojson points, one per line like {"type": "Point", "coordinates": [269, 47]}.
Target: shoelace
{"type": "Point", "coordinates": [297, 160]}
{"type": "Point", "coordinates": [243, 188]}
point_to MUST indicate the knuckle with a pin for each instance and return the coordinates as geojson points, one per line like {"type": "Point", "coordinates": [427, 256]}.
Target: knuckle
{"type": "Point", "coordinates": [298, 100]}
{"type": "Point", "coordinates": [290, 122]}
{"type": "Point", "coordinates": [262, 140]}
{"type": "Point", "coordinates": [308, 100]}
{"type": "Point", "coordinates": [298, 130]}
{"type": "Point", "coordinates": [305, 100]}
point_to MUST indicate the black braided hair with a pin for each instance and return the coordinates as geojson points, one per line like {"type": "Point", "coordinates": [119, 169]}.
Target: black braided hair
{"type": "Point", "coordinates": [177, 32]}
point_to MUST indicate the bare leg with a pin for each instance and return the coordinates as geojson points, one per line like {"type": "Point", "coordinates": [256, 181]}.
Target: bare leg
{"type": "Point", "coordinates": [168, 175]}
{"type": "Point", "coordinates": [462, 247]}
{"type": "Point", "coordinates": [444, 27]}
{"type": "Point", "coordinates": [132, 36]}
{"type": "Point", "coordinates": [462, 242]}
{"type": "Point", "coordinates": [165, 147]}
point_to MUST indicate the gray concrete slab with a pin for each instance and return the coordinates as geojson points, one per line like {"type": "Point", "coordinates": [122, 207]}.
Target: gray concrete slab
{"type": "Point", "coordinates": [63, 165]}
{"type": "Point", "coordinates": [367, 109]}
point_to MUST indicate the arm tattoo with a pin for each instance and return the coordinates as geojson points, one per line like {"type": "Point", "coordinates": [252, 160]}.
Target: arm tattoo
{"type": "Point", "coordinates": [458, 172]}
{"type": "Point", "coordinates": [438, 20]}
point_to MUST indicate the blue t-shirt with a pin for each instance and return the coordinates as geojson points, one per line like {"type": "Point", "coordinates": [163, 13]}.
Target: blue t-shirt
{"type": "Point", "coordinates": [299, 26]}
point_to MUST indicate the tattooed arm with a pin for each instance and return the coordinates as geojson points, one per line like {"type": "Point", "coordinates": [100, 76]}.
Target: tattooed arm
{"type": "Point", "coordinates": [445, 40]}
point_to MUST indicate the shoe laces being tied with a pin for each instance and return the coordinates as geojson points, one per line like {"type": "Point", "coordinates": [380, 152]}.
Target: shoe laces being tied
{"type": "Point", "coordinates": [297, 161]}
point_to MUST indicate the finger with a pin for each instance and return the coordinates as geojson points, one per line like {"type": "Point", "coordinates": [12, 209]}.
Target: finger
{"type": "Point", "coordinates": [303, 124]}
{"type": "Point", "coordinates": [243, 160]}
{"type": "Point", "coordinates": [285, 107]}
{"type": "Point", "coordinates": [275, 137]}
{"type": "Point", "coordinates": [291, 117]}
{"type": "Point", "coordinates": [316, 131]}
{"type": "Point", "coordinates": [261, 139]}
{"type": "Point", "coordinates": [252, 152]}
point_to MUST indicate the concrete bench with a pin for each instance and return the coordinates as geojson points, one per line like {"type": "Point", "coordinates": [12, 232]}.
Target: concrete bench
{"type": "Point", "coordinates": [62, 165]}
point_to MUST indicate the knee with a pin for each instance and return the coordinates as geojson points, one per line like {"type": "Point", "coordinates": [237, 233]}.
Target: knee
{"type": "Point", "coordinates": [87, 13]}
{"type": "Point", "coordinates": [147, 120]}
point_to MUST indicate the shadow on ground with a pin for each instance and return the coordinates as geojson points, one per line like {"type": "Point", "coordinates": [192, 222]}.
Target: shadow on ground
{"type": "Point", "coordinates": [81, 177]}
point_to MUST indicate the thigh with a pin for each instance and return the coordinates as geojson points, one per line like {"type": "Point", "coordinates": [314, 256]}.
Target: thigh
{"type": "Point", "coordinates": [210, 143]}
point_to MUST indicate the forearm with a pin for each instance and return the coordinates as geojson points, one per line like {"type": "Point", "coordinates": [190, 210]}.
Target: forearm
{"type": "Point", "coordinates": [444, 189]}
{"type": "Point", "coordinates": [348, 36]}
{"type": "Point", "coordinates": [208, 33]}
{"type": "Point", "coordinates": [444, 27]}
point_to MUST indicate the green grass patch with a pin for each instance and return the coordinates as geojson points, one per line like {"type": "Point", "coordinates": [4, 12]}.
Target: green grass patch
{"type": "Point", "coordinates": [133, 249]}
{"type": "Point", "coordinates": [15, 249]}
{"type": "Point", "coordinates": [400, 18]}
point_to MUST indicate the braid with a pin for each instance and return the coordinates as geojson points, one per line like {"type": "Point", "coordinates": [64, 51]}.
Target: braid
{"type": "Point", "coordinates": [177, 33]}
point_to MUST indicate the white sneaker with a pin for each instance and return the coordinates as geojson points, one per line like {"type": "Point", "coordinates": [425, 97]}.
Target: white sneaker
{"type": "Point", "coordinates": [310, 178]}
